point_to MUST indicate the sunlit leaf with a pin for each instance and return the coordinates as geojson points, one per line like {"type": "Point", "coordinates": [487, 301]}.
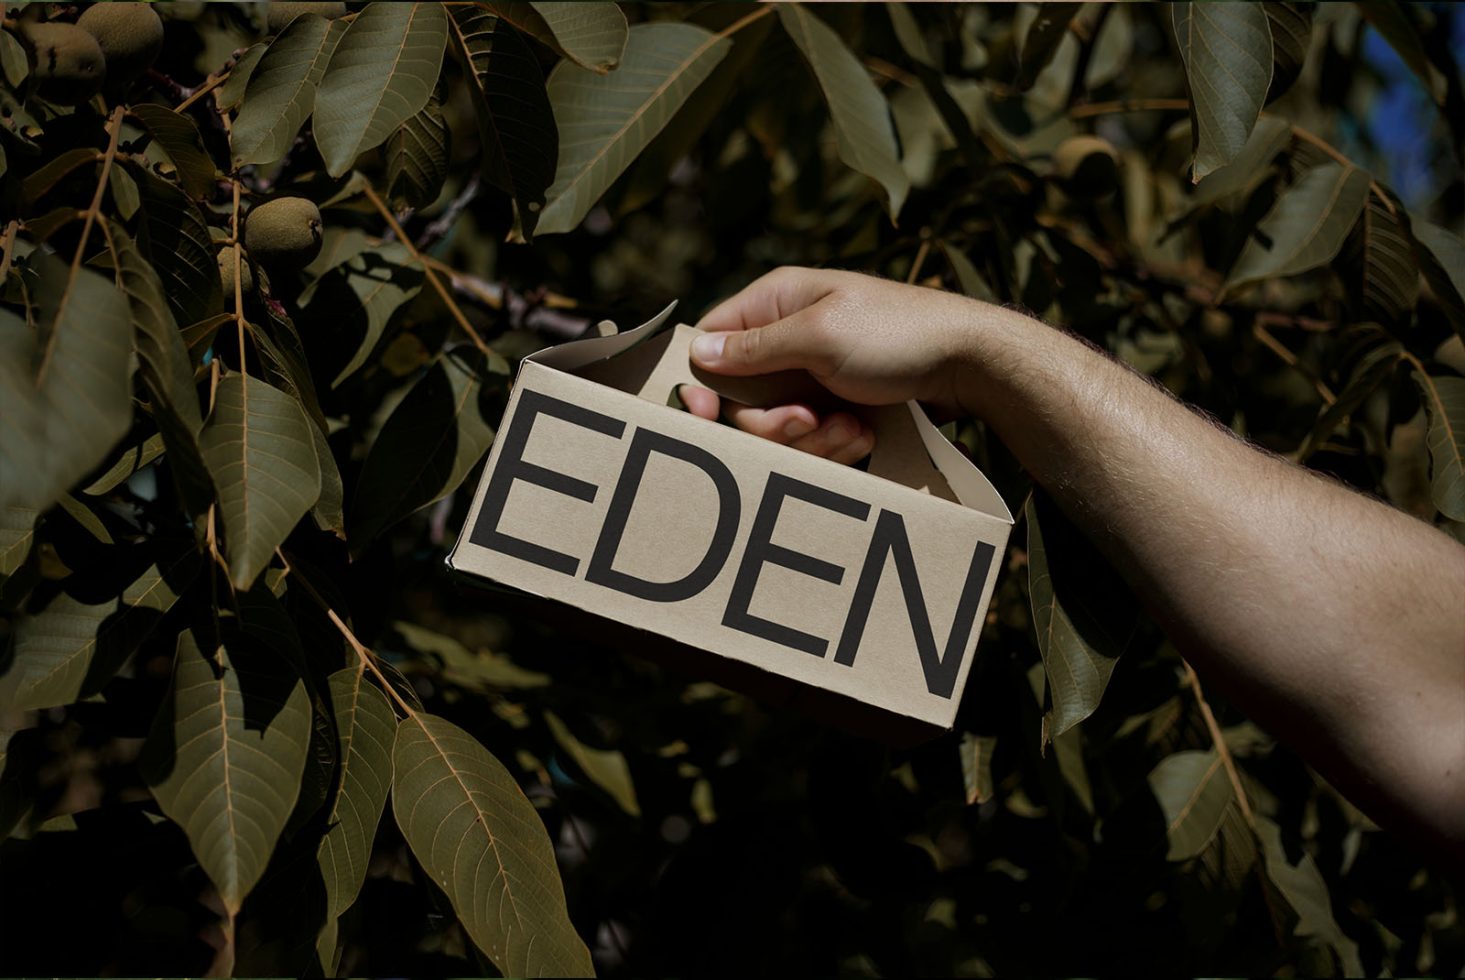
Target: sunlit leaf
{"type": "Point", "coordinates": [604, 121]}
{"type": "Point", "coordinates": [516, 124]}
{"type": "Point", "coordinates": [1227, 50]}
{"type": "Point", "coordinates": [381, 74]}
{"type": "Point", "coordinates": [417, 158]}
{"type": "Point", "coordinates": [71, 648]}
{"type": "Point", "coordinates": [180, 139]}
{"type": "Point", "coordinates": [225, 755]}
{"type": "Point", "coordinates": [1444, 400]}
{"type": "Point", "coordinates": [481, 841]}
{"type": "Point", "coordinates": [1083, 614]}
{"type": "Point", "coordinates": [65, 390]}
{"type": "Point", "coordinates": [592, 35]}
{"type": "Point", "coordinates": [861, 116]}
{"type": "Point", "coordinates": [282, 90]}
{"type": "Point", "coordinates": [605, 768]}
{"type": "Point", "coordinates": [1193, 791]}
{"type": "Point", "coordinates": [366, 727]}
{"type": "Point", "coordinates": [438, 432]}
{"type": "Point", "coordinates": [259, 448]}
{"type": "Point", "coordinates": [1307, 226]}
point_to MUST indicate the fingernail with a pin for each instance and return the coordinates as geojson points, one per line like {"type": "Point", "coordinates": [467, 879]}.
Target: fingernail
{"type": "Point", "coordinates": [708, 347]}
{"type": "Point", "coordinates": [796, 427]}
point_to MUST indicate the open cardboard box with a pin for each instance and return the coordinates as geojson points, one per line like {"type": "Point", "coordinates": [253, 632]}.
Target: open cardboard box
{"type": "Point", "coordinates": [856, 594]}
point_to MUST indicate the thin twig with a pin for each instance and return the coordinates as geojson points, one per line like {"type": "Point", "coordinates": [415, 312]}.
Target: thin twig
{"type": "Point", "coordinates": [238, 280]}
{"type": "Point", "coordinates": [7, 244]}
{"type": "Point", "coordinates": [1219, 741]}
{"type": "Point", "coordinates": [213, 82]}
{"type": "Point", "coordinates": [1277, 347]}
{"type": "Point", "coordinates": [1127, 105]}
{"type": "Point", "coordinates": [919, 261]}
{"type": "Point", "coordinates": [737, 25]}
{"type": "Point", "coordinates": [428, 271]}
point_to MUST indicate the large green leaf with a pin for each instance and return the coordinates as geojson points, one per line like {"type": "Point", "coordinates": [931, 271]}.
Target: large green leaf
{"type": "Point", "coordinates": [282, 90]}
{"type": "Point", "coordinates": [434, 436]}
{"type": "Point", "coordinates": [1444, 400]}
{"type": "Point", "coordinates": [360, 295]}
{"type": "Point", "coordinates": [1044, 34]}
{"type": "Point", "coordinates": [381, 74]}
{"type": "Point", "coordinates": [366, 727]}
{"type": "Point", "coordinates": [1083, 614]}
{"type": "Point", "coordinates": [71, 648]}
{"type": "Point", "coordinates": [516, 125]}
{"type": "Point", "coordinates": [1307, 226]}
{"type": "Point", "coordinates": [176, 241]}
{"type": "Point", "coordinates": [481, 841]}
{"type": "Point", "coordinates": [259, 448]}
{"type": "Point", "coordinates": [592, 35]}
{"type": "Point", "coordinates": [1227, 50]}
{"type": "Point", "coordinates": [604, 121]}
{"type": "Point", "coordinates": [417, 158]}
{"type": "Point", "coordinates": [861, 116]}
{"type": "Point", "coordinates": [1249, 167]}
{"type": "Point", "coordinates": [180, 139]}
{"type": "Point", "coordinates": [1441, 256]}
{"type": "Point", "coordinates": [65, 390]}
{"type": "Point", "coordinates": [226, 753]}
{"type": "Point", "coordinates": [1194, 791]}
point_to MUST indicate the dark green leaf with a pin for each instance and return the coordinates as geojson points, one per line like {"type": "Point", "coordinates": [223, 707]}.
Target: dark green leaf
{"type": "Point", "coordinates": [65, 390]}
{"type": "Point", "coordinates": [1372, 370]}
{"type": "Point", "coordinates": [1249, 167]}
{"type": "Point", "coordinates": [1194, 792]}
{"type": "Point", "coordinates": [259, 448]}
{"type": "Point", "coordinates": [226, 753]}
{"type": "Point", "coordinates": [592, 35]}
{"type": "Point", "coordinates": [1305, 891]}
{"type": "Point", "coordinates": [162, 355]}
{"type": "Point", "coordinates": [363, 293]}
{"type": "Point", "coordinates": [1227, 50]}
{"type": "Point", "coordinates": [1083, 614]}
{"type": "Point", "coordinates": [516, 124]}
{"type": "Point", "coordinates": [176, 241]}
{"type": "Point", "coordinates": [1307, 226]}
{"type": "Point", "coordinates": [1041, 42]}
{"type": "Point", "coordinates": [1291, 26]}
{"type": "Point", "coordinates": [967, 276]}
{"type": "Point", "coordinates": [282, 90]}
{"type": "Point", "coordinates": [39, 181]}
{"type": "Point", "coordinates": [231, 92]}
{"type": "Point", "coordinates": [1444, 400]}
{"type": "Point", "coordinates": [1441, 256]}
{"type": "Point", "coordinates": [480, 839]}
{"type": "Point", "coordinates": [180, 139]}
{"type": "Point", "coordinates": [1379, 266]}
{"type": "Point", "coordinates": [17, 532]}
{"type": "Point", "coordinates": [861, 117]}
{"type": "Point", "coordinates": [71, 648]}
{"type": "Point", "coordinates": [438, 432]}
{"type": "Point", "coordinates": [417, 158]}
{"type": "Point", "coordinates": [381, 74]}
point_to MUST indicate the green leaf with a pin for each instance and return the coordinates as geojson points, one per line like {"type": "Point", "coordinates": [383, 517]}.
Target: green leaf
{"type": "Point", "coordinates": [482, 670]}
{"type": "Point", "coordinates": [976, 766]}
{"type": "Point", "coordinates": [1444, 400]}
{"type": "Point", "coordinates": [1227, 50]}
{"type": "Point", "coordinates": [1305, 891]}
{"type": "Point", "coordinates": [282, 90]}
{"type": "Point", "coordinates": [417, 157]}
{"type": "Point", "coordinates": [231, 92]}
{"type": "Point", "coordinates": [175, 239]}
{"type": "Point", "coordinates": [438, 432]}
{"type": "Point", "coordinates": [226, 753]}
{"type": "Point", "coordinates": [605, 121]}
{"type": "Point", "coordinates": [1441, 256]}
{"type": "Point", "coordinates": [131, 460]}
{"type": "Point", "coordinates": [912, 40]}
{"type": "Point", "coordinates": [366, 727]}
{"type": "Point", "coordinates": [861, 117]}
{"type": "Point", "coordinates": [71, 648]}
{"type": "Point", "coordinates": [361, 294]}
{"type": "Point", "coordinates": [1307, 226]}
{"type": "Point", "coordinates": [1041, 42]}
{"type": "Point", "coordinates": [65, 390]}
{"type": "Point", "coordinates": [592, 35]}
{"type": "Point", "coordinates": [1291, 28]}
{"type": "Point", "coordinates": [1380, 270]}
{"type": "Point", "coordinates": [381, 74]}
{"type": "Point", "coordinates": [17, 533]}
{"type": "Point", "coordinates": [259, 448]}
{"type": "Point", "coordinates": [967, 276]}
{"type": "Point", "coordinates": [1249, 167]}
{"type": "Point", "coordinates": [180, 139]}
{"type": "Point", "coordinates": [1391, 19]}
{"type": "Point", "coordinates": [1373, 368]}
{"type": "Point", "coordinates": [13, 60]}
{"type": "Point", "coordinates": [480, 839]}
{"type": "Point", "coordinates": [1193, 791]}
{"type": "Point", "coordinates": [605, 768]}
{"type": "Point", "coordinates": [41, 180]}
{"type": "Point", "coordinates": [1083, 614]}
{"type": "Point", "coordinates": [516, 125]}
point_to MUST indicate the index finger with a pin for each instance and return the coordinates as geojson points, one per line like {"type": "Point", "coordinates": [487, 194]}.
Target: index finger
{"type": "Point", "coordinates": [768, 299]}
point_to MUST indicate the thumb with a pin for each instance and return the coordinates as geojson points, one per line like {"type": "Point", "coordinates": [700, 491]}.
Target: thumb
{"type": "Point", "coordinates": [787, 344]}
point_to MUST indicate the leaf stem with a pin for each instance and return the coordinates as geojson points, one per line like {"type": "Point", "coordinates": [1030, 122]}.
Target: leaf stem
{"type": "Point", "coordinates": [737, 25]}
{"type": "Point", "coordinates": [213, 82]}
{"type": "Point", "coordinates": [1219, 741]}
{"type": "Point", "coordinates": [1127, 105]}
{"type": "Point", "coordinates": [238, 281]}
{"type": "Point", "coordinates": [428, 271]}
{"type": "Point", "coordinates": [1277, 347]}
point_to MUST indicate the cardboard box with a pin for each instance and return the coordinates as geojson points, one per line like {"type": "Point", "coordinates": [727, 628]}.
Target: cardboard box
{"type": "Point", "coordinates": [857, 593]}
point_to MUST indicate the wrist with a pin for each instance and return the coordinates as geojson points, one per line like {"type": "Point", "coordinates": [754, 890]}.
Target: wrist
{"type": "Point", "coordinates": [993, 347]}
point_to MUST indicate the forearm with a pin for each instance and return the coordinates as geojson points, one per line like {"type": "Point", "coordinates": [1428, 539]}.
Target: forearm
{"type": "Point", "coordinates": [1333, 619]}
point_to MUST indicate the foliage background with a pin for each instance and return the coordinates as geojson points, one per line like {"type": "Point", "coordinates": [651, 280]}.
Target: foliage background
{"type": "Point", "coordinates": [695, 830]}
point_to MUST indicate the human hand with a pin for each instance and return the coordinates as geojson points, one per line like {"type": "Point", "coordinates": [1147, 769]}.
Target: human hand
{"type": "Point", "coordinates": [869, 341]}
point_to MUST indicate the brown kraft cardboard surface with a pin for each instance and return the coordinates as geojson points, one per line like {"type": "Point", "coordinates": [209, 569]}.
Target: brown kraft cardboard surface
{"type": "Point", "coordinates": [861, 588]}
